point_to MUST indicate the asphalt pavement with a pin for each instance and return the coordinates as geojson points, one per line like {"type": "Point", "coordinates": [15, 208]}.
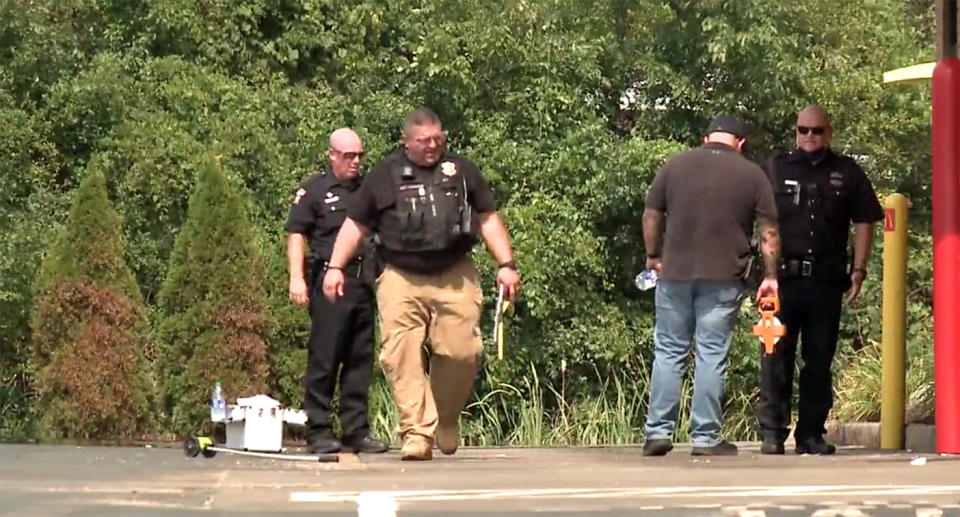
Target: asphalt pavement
{"type": "Point", "coordinates": [160, 480]}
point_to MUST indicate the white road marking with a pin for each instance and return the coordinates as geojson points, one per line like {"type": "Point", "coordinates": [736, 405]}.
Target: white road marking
{"type": "Point", "coordinates": [216, 489]}
{"type": "Point", "coordinates": [838, 512]}
{"type": "Point", "coordinates": [647, 492]}
{"type": "Point", "coordinates": [137, 504]}
{"type": "Point", "coordinates": [376, 504]}
{"type": "Point", "coordinates": [106, 490]}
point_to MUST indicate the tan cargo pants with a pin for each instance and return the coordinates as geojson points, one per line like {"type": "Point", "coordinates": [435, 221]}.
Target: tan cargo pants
{"type": "Point", "coordinates": [442, 310]}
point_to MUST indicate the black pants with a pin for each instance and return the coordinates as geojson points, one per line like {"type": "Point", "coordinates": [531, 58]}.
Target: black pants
{"type": "Point", "coordinates": [341, 341]}
{"type": "Point", "coordinates": [810, 309]}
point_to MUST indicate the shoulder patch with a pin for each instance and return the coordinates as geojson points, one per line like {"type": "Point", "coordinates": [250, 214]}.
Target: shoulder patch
{"type": "Point", "coordinates": [300, 194]}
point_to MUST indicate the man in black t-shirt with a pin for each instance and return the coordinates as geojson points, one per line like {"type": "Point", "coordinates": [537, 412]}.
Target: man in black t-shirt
{"type": "Point", "coordinates": [341, 332]}
{"type": "Point", "coordinates": [427, 207]}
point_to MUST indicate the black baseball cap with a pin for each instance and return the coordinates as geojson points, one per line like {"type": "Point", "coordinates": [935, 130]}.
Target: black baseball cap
{"type": "Point", "coordinates": [728, 124]}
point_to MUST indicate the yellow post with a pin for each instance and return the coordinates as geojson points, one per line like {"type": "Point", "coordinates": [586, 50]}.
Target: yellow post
{"type": "Point", "coordinates": [892, 404]}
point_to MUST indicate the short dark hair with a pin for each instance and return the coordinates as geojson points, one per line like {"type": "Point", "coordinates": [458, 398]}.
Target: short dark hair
{"type": "Point", "coordinates": [420, 117]}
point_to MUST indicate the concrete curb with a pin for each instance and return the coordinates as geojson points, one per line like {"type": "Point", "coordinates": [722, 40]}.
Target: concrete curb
{"type": "Point", "coordinates": [918, 437]}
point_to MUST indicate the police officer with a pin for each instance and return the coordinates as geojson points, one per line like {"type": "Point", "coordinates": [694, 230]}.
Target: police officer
{"type": "Point", "coordinates": [341, 332]}
{"type": "Point", "coordinates": [427, 206]}
{"type": "Point", "coordinates": [818, 194]}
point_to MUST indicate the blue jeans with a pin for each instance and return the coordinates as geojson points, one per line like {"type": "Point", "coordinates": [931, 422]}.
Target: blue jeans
{"type": "Point", "coordinates": [707, 312]}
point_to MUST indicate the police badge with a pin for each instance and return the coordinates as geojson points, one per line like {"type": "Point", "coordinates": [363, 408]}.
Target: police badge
{"type": "Point", "coordinates": [448, 168]}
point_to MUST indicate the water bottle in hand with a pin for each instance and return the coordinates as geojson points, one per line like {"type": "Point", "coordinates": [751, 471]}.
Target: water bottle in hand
{"type": "Point", "coordinates": [647, 279]}
{"type": "Point", "coordinates": [218, 405]}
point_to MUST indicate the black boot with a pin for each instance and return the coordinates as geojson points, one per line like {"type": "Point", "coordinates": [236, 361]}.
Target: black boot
{"type": "Point", "coordinates": [657, 447]}
{"type": "Point", "coordinates": [364, 444]}
{"type": "Point", "coordinates": [323, 445]}
{"type": "Point", "coordinates": [771, 447]}
{"type": "Point", "coordinates": [723, 448]}
{"type": "Point", "coordinates": [816, 445]}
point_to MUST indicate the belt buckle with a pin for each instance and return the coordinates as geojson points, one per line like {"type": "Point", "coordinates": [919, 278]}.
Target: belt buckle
{"type": "Point", "coordinates": [806, 267]}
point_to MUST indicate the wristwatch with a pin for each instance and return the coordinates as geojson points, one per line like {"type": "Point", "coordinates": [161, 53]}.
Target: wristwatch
{"type": "Point", "coordinates": [862, 270]}
{"type": "Point", "coordinates": [509, 265]}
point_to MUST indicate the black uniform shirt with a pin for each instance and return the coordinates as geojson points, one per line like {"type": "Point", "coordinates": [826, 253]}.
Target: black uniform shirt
{"type": "Point", "coordinates": [817, 199]}
{"type": "Point", "coordinates": [378, 194]}
{"type": "Point", "coordinates": [318, 211]}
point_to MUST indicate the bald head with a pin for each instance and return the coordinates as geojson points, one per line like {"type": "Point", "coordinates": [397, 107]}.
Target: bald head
{"type": "Point", "coordinates": [345, 154]}
{"type": "Point", "coordinates": [813, 115]}
{"type": "Point", "coordinates": [344, 137]}
{"type": "Point", "coordinates": [813, 128]}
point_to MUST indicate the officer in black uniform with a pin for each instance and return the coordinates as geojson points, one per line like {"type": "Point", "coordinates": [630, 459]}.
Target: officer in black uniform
{"type": "Point", "coordinates": [341, 332]}
{"type": "Point", "coordinates": [818, 194]}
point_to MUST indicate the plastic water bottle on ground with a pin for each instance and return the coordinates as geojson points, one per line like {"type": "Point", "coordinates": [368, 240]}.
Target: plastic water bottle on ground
{"type": "Point", "coordinates": [646, 280]}
{"type": "Point", "coordinates": [218, 405]}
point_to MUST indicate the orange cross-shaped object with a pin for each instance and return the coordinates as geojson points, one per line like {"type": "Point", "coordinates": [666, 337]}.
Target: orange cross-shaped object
{"type": "Point", "coordinates": [768, 329]}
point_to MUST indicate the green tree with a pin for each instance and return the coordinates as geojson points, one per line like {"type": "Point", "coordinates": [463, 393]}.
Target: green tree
{"type": "Point", "coordinates": [89, 327]}
{"type": "Point", "coordinates": [213, 304]}
{"type": "Point", "coordinates": [568, 108]}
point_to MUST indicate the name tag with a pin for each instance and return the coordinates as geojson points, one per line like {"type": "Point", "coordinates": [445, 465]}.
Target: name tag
{"type": "Point", "coordinates": [792, 187]}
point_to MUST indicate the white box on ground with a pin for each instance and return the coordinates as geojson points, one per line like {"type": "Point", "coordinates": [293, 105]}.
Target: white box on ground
{"type": "Point", "coordinates": [256, 423]}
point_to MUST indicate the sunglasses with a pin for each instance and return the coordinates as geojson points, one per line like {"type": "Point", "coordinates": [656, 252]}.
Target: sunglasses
{"type": "Point", "coordinates": [818, 130]}
{"type": "Point", "coordinates": [350, 155]}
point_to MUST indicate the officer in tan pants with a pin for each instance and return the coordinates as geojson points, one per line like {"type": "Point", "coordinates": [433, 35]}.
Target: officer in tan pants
{"type": "Point", "coordinates": [427, 207]}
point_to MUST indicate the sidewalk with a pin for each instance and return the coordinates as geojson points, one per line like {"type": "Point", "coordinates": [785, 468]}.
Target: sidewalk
{"type": "Point", "coordinates": [89, 481]}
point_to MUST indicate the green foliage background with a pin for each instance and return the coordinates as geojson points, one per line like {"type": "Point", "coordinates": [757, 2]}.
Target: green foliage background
{"type": "Point", "coordinates": [568, 108]}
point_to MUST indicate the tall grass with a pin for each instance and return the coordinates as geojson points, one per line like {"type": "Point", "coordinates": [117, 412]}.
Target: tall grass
{"type": "Point", "coordinates": [858, 385]}
{"type": "Point", "coordinates": [533, 412]}
{"type": "Point", "coordinates": [541, 409]}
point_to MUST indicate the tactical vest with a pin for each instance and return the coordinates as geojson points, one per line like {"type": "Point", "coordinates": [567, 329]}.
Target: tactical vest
{"type": "Point", "coordinates": [430, 214]}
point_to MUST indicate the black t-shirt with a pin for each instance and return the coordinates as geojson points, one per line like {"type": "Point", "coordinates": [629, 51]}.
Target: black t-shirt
{"type": "Point", "coordinates": [377, 195]}
{"type": "Point", "coordinates": [712, 196]}
{"type": "Point", "coordinates": [318, 210]}
{"type": "Point", "coordinates": [817, 199]}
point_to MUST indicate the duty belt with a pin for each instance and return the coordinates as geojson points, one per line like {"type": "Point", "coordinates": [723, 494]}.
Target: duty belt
{"type": "Point", "coordinates": [809, 266]}
{"type": "Point", "coordinates": [800, 266]}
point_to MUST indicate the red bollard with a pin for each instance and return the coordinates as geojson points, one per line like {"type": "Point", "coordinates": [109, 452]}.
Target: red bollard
{"type": "Point", "coordinates": [946, 252]}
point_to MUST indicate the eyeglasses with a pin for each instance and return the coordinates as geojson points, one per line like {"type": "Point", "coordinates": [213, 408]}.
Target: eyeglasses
{"type": "Point", "coordinates": [350, 155]}
{"type": "Point", "coordinates": [438, 139]}
{"type": "Point", "coordinates": [817, 130]}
